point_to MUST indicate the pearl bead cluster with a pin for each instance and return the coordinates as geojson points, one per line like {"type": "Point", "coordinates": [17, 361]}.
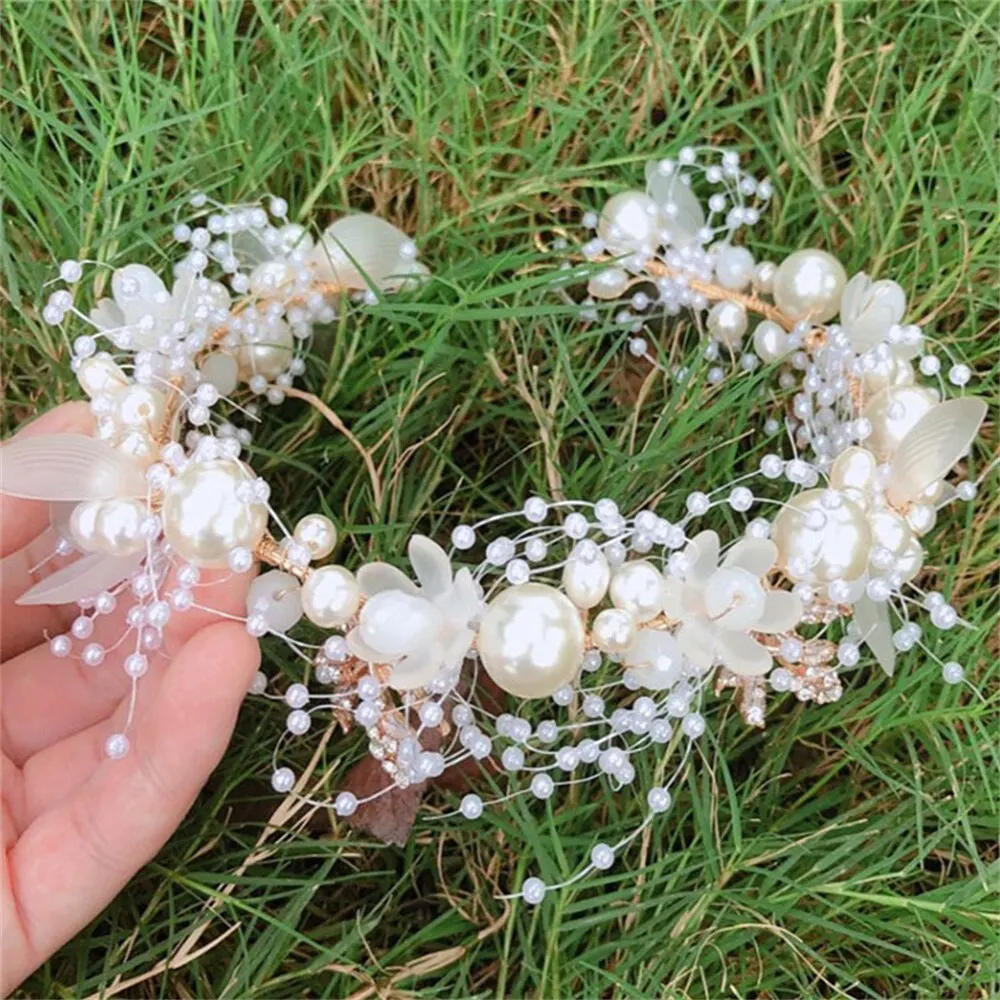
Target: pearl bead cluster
{"type": "Point", "coordinates": [172, 496]}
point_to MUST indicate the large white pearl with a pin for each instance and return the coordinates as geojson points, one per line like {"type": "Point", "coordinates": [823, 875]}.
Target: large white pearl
{"type": "Point", "coordinates": [586, 577]}
{"type": "Point", "coordinates": [818, 544]}
{"type": "Point", "coordinates": [265, 351]}
{"type": "Point", "coordinates": [910, 560]}
{"type": "Point", "coordinates": [613, 631]}
{"type": "Point", "coordinates": [531, 640]}
{"type": "Point", "coordinates": [278, 597]}
{"type": "Point", "coordinates": [140, 406]}
{"type": "Point", "coordinates": [395, 623]}
{"type": "Point", "coordinates": [889, 530]}
{"type": "Point", "coordinates": [330, 596]}
{"type": "Point", "coordinates": [727, 321]}
{"type": "Point", "coordinates": [203, 517]}
{"type": "Point", "coordinates": [893, 413]}
{"type": "Point", "coordinates": [83, 525]}
{"type": "Point", "coordinates": [630, 221]}
{"type": "Point", "coordinates": [854, 468]}
{"type": "Point", "coordinates": [317, 533]}
{"type": "Point", "coordinates": [808, 285]}
{"type": "Point", "coordinates": [637, 587]}
{"type": "Point", "coordinates": [770, 341]}
{"type": "Point", "coordinates": [116, 529]}
{"type": "Point", "coordinates": [734, 268]}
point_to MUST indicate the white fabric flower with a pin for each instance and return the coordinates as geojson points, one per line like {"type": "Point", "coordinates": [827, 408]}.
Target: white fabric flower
{"type": "Point", "coordinates": [719, 606]}
{"type": "Point", "coordinates": [868, 308]}
{"type": "Point", "coordinates": [654, 659]}
{"type": "Point", "coordinates": [139, 293]}
{"type": "Point", "coordinates": [419, 630]}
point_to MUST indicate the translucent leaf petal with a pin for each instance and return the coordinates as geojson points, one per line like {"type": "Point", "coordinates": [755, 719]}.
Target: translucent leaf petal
{"type": "Point", "coordinates": [703, 550]}
{"type": "Point", "coordinates": [682, 212]}
{"type": "Point", "coordinates": [86, 577]}
{"type": "Point", "coordinates": [697, 642]}
{"type": "Point", "coordinates": [935, 443]}
{"type": "Point", "coordinates": [67, 467]}
{"type": "Point", "coordinates": [876, 631]}
{"type": "Point", "coordinates": [359, 251]}
{"type": "Point", "coordinates": [416, 669]}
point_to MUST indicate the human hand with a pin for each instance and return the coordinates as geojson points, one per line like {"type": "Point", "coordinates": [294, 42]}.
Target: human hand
{"type": "Point", "coordinates": [76, 826]}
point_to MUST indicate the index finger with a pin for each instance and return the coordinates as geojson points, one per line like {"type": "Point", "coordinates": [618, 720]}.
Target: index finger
{"type": "Point", "coordinates": [23, 520]}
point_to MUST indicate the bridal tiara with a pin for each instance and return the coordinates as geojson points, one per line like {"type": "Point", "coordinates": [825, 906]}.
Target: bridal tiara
{"type": "Point", "coordinates": [623, 623]}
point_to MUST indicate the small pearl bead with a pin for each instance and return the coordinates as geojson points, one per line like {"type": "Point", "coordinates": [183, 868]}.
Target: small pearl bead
{"type": "Point", "coordinates": [602, 856]}
{"type": "Point", "coordinates": [93, 654]}
{"type": "Point", "coordinates": [116, 746]}
{"type": "Point", "coordinates": [345, 804]}
{"type": "Point", "coordinates": [283, 780]}
{"type": "Point", "coordinates": [136, 664]}
{"type": "Point", "coordinates": [658, 800]}
{"type": "Point", "coordinates": [542, 786]}
{"type": "Point", "coordinates": [533, 891]}
{"type": "Point", "coordinates": [298, 722]}
{"type": "Point", "coordinates": [60, 646]}
{"type": "Point", "coordinates": [472, 806]}
{"type": "Point", "coordinates": [952, 673]}
{"type": "Point", "coordinates": [297, 696]}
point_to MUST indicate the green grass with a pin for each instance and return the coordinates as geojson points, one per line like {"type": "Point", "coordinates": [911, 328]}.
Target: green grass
{"type": "Point", "coordinates": [849, 850]}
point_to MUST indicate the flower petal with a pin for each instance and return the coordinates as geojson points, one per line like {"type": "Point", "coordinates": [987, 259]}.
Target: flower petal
{"type": "Point", "coordinates": [68, 467]}
{"type": "Point", "coordinates": [373, 578]}
{"type": "Point", "coordinates": [359, 251]}
{"type": "Point", "coordinates": [416, 669]}
{"type": "Point", "coordinates": [107, 315]}
{"type": "Point", "coordinates": [782, 611]}
{"type": "Point", "coordinates": [673, 598]}
{"type": "Point", "coordinates": [431, 565]}
{"type": "Point", "coordinates": [743, 655]}
{"type": "Point", "coordinates": [703, 553]}
{"type": "Point", "coordinates": [755, 555]}
{"type": "Point", "coordinates": [357, 648]}
{"type": "Point", "coordinates": [697, 642]}
{"type": "Point", "coordinates": [876, 631]}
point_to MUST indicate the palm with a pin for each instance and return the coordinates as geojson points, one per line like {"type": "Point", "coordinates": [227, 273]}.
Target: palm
{"type": "Point", "coordinates": [76, 825]}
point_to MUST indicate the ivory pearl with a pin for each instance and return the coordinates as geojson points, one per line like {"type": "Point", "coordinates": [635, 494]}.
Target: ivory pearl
{"type": "Point", "coordinates": [837, 550]}
{"type": "Point", "coordinates": [727, 321]}
{"type": "Point", "coordinates": [910, 560]}
{"type": "Point", "coordinates": [770, 341]}
{"type": "Point", "coordinates": [140, 406]}
{"type": "Point", "coordinates": [278, 597]}
{"type": "Point", "coordinates": [734, 268]}
{"type": "Point", "coordinates": [763, 278]}
{"type": "Point", "coordinates": [204, 519]}
{"type": "Point", "coordinates": [853, 468]}
{"type": "Point", "coordinates": [330, 596]}
{"type": "Point", "coordinates": [889, 530]}
{"type": "Point", "coordinates": [222, 370]}
{"type": "Point", "coordinates": [317, 533]}
{"type": "Point", "coordinates": [893, 413]}
{"type": "Point", "coordinates": [99, 375]}
{"type": "Point", "coordinates": [117, 527]}
{"type": "Point", "coordinates": [921, 518]}
{"type": "Point", "coordinates": [613, 631]}
{"type": "Point", "coordinates": [531, 640]}
{"type": "Point", "coordinates": [637, 587]}
{"type": "Point", "coordinates": [265, 351]}
{"type": "Point", "coordinates": [83, 525]}
{"type": "Point", "coordinates": [268, 277]}
{"type": "Point", "coordinates": [586, 580]}
{"type": "Point", "coordinates": [608, 284]}
{"type": "Point", "coordinates": [630, 221]}
{"type": "Point", "coordinates": [808, 285]}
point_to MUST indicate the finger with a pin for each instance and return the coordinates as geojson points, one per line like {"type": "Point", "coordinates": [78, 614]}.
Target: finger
{"type": "Point", "coordinates": [22, 520]}
{"type": "Point", "coordinates": [24, 626]}
{"type": "Point", "coordinates": [21, 524]}
{"type": "Point", "coordinates": [47, 699]}
{"type": "Point", "coordinates": [74, 859]}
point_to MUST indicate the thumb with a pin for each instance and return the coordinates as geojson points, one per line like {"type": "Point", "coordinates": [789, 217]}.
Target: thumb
{"type": "Point", "coordinates": [74, 859]}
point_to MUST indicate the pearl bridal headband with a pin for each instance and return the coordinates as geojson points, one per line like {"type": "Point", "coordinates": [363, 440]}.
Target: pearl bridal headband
{"type": "Point", "coordinates": [623, 625]}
